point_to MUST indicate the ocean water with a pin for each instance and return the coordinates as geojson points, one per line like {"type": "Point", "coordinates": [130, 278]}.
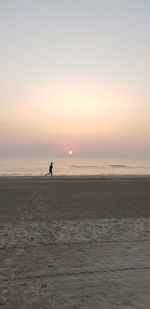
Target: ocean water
{"type": "Point", "coordinates": [69, 166]}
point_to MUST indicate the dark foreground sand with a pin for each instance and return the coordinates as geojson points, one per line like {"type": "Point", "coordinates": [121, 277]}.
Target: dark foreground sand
{"type": "Point", "coordinates": [74, 242]}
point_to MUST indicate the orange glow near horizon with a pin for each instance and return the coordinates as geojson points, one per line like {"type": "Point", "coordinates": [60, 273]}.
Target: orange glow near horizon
{"type": "Point", "coordinates": [76, 117]}
{"type": "Point", "coordinates": [89, 111]}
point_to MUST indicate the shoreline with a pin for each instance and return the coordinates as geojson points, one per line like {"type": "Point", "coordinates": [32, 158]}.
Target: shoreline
{"type": "Point", "coordinates": [76, 177]}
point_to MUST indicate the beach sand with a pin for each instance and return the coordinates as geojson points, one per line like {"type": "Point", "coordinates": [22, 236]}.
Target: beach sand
{"type": "Point", "coordinates": [74, 242]}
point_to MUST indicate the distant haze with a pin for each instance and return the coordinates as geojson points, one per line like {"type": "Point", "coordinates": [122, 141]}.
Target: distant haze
{"type": "Point", "coordinates": [75, 78]}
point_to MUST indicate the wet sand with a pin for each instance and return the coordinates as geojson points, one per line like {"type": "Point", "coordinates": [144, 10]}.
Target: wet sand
{"type": "Point", "coordinates": [74, 242]}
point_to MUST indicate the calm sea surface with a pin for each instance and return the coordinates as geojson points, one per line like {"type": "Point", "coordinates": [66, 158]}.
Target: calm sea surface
{"type": "Point", "coordinates": [73, 166]}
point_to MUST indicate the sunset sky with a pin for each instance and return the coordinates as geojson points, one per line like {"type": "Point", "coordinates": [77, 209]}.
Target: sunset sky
{"type": "Point", "coordinates": [75, 76]}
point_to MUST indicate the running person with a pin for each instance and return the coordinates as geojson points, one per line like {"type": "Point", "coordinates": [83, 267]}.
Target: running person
{"type": "Point", "coordinates": [50, 170]}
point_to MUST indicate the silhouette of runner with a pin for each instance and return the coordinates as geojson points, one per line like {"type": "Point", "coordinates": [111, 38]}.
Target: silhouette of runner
{"type": "Point", "coordinates": [50, 170]}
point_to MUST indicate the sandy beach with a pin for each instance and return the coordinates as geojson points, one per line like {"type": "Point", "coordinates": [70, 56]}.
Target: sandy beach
{"type": "Point", "coordinates": [74, 242]}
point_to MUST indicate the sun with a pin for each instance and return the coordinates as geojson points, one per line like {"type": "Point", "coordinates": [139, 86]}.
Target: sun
{"type": "Point", "coordinates": [70, 152]}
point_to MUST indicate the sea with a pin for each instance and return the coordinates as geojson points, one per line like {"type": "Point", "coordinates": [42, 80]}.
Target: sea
{"type": "Point", "coordinates": [71, 166]}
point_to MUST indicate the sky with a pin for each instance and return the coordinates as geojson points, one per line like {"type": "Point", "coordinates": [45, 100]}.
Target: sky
{"type": "Point", "coordinates": [74, 76]}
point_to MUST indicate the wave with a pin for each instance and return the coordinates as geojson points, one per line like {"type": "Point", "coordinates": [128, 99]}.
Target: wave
{"type": "Point", "coordinates": [123, 166]}
{"type": "Point", "coordinates": [84, 166]}
{"type": "Point", "coordinates": [117, 165]}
